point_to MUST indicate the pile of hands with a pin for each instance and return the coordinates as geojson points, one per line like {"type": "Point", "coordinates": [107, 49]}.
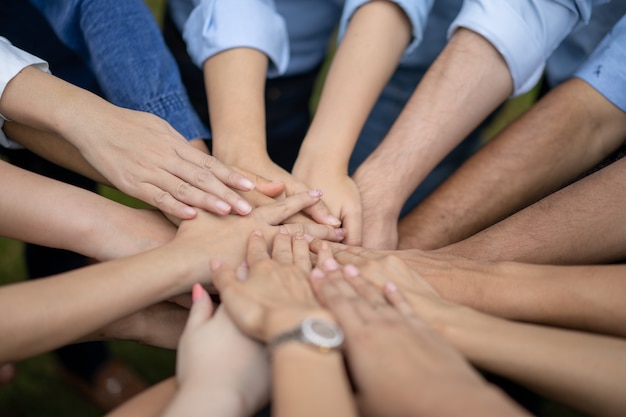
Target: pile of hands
{"type": "Point", "coordinates": [382, 306]}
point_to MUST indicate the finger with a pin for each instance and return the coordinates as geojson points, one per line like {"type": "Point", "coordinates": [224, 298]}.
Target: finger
{"type": "Point", "coordinates": [242, 271]}
{"type": "Point", "coordinates": [321, 214]}
{"type": "Point", "coordinates": [301, 254]}
{"type": "Point", "coordinates": [396, 298]}
{"type": "Point", "coordinates": [257, 248]}
{"type": "Point", "coordinates": [222, 276]}
{"type": "Point", "coordinates": [281, 248]}
{"type": "Point", "coordinates": [324, 254]}
{"type": "Point", "coordinates": [373, 295]}
{"type": "Point", "coordinates": [337, 296]}
{"type": "Point", "coordinates": [353, 223]}
{"type": "Point", "coordinates": [201, 309]}
{"type": "Point", "coordinates": [315, 243]}
{"type": "Point", "coordinates": [269, 188]}
{"type": "Point", "coordinates": [210, 164]}
{"type": "Point", "coordinates": [276, 212]}
{"type": "Point", "coordinates": [315, 230]}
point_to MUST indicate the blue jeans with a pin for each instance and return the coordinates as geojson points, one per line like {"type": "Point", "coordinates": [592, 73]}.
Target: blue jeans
{"type": "Point", "coordinates": [121, 43]}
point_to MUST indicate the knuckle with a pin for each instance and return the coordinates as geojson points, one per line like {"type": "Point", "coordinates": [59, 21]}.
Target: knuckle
{"type": "Point", "coordinates": [182, 189]}
{"type": "Point", "coordinates": [209, 162]}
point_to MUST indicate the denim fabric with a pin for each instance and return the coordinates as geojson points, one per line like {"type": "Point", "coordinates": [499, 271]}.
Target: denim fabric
{"type": "Point", "coordinates": [122, 44]}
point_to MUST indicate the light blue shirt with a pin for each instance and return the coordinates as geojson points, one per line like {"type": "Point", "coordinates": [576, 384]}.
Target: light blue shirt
{"type": "Point", "coordinates": [605, 70]}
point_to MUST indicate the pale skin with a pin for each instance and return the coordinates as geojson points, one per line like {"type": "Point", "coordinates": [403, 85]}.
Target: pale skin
{"type": "Point", "coordinates": [577, 297]}
{"type": "Point", "coordinates": [393, 354]}
{"type": "Point", "coordinates": [235, 79]}
{"type": "Point", "coordinates": [139, 153]}
{"type": "Point", "coordinates": [170, 269]}
{"type": "Point", "coordinates": [274, 298]}
{"type": "Point", "coordinates": [563, 135]}
{"type": "Point", "coordinates": [375, 39]}
{"type": "Point", "coordinates": [446, 106]}
{"type": "Point", "coordinates": [551, 361]}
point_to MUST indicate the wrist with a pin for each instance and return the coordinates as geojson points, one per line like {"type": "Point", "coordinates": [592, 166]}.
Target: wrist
{"type": "Point", "coordinates": [283, 323]}
{"type": "Point", "coordinates": [246, 154]}
{"type": "Point", "coordinates": [315, 156]}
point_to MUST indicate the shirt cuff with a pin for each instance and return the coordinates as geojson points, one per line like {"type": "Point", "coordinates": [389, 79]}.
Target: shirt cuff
{"type": "Point", "coordinates": [417, 12]}
{"type": "Point", "coordinates": [524, 33]}
{"type": "Point", "coordinates": [216, 26]}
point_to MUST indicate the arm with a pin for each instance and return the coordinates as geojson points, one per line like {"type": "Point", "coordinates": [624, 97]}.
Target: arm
{"type": "Point", "coordinates": [376, 37]}
{"type": "Point", "coordinates": [582, 223]}
{"type": "Point", "coordinates": [444, 108]}
{"type": "Point", "coordinates": [565, 134]}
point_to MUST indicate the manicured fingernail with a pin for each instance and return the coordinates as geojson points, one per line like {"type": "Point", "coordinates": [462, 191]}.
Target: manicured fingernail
{"type": "Point", "coordinates": [197, 292]}
{"type": "Point", "coordinates": [333, 221]}
{"type": "Point", "coordinates": [315, 193]}
{"type": "Point", "coordinates": [391, 287]}
{"type": "Point", "coordinates": [246, 183]}
{"type": "Point", "coordinates": [331, 265]}
{"type": "Point", "coordinates": [215, 264]}
{"type": "Point", "coordinates": [223, 206]}
{"type": "Point", "coordinates": [308, 238]}
{"type": "Point", "coordinates": [317, 273]}
{"type": "Point", "coordinates": [242, 272]}
{"type": "Point", "coordinates": [244, 264]}
{"type": "Point", "coordinates": [340, 232]}
{"type": "Point", "coordinates": [189, 211]}
{"type": "Point", "coordinates": [244, 206]}
{"type": "Point", "coordinates": [351, 270]}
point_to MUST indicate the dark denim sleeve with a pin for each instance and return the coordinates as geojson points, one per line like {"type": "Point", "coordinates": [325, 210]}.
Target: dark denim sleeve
{"type": "Point", "coordinates": [122, 44]}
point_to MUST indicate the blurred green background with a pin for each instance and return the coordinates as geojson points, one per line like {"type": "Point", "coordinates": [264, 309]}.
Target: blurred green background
{"type": "Point", "coordinates": [37, 390]}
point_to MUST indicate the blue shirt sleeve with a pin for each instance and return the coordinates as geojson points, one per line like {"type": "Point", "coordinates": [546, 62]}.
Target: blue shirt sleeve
{"type": "Point", "coordinates": [417, 11]}
{"type": "Point", "coordinates": [605, 70]}
{"type": "Point", "coordinates": [524, 32]}
{"type": "Point", "coordinates": [217, 25]}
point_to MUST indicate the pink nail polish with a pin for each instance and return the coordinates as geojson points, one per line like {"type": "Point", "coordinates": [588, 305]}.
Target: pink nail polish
{"type": "Point", "coordinates": [197, 292]}
{"type": "Point", "coordinates": [315, 193]}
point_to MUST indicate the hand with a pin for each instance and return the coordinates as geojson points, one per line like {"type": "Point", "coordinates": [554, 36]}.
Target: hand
{"type": "Point", "coordinates": [224, 237]}
{"type": "Point", "coordinates": [146, 158]}
{"type": "Point", "coordinates": [268, 169]}
{"type": "Point", "coordinates": [215, 355]}
{"type": "Point", "coordinates": [342, 197]}
{"type": "Point", "coordinates": [275, 296]}
{"type": "Point", "coordinates": [391, 352]}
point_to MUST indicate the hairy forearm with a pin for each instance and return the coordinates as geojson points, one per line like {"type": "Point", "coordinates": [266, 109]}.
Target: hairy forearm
{"type": "Point", "coordinates": [464, 85]}
{"type": "Point", "coordinates": [297, 371]}
{"type": "Point", "coordinates": [578, 369]}
{"type": "Point", "coordinates": [583, 223]}
{"type": "Point", "coordinates": [235, 85]}
{"type": "Point", "coordinates": [376, 37]}
{"type": "Point", "coordinates": [562, 136]}
{"type": "Point", "coordinates": [53, 148]}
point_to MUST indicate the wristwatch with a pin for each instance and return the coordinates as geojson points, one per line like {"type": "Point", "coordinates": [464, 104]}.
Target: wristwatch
{"type": "Point", "coordinates": [316, 333]}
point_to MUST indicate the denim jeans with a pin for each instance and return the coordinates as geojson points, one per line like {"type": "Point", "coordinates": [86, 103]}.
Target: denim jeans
{"type": "Point", "coordinates": [121, 43]}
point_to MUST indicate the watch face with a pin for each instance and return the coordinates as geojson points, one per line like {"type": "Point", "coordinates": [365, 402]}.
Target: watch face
{"type": "Point", "coordinates": [322, 333]}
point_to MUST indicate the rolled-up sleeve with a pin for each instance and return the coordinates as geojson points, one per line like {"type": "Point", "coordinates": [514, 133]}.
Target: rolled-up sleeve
{"type": "Point", "coordinates": [605, 70]}
{"type": "Point", "coordinates": [524, 32]}
{"type": "Point", "coordinates": [217, 25]}
{"type": "Point", "coordinates": [416, 11]}
{"type": "Point", "coordinates": [12, 61]}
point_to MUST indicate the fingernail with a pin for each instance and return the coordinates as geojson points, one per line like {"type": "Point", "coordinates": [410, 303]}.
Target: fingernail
{"type": "Point", "coordinates": [331, 265]}
{"type": "Point", "coordinates": [308, 238]}
{"type": "Point", "coordinates": [197, 292]}
{"type": "Point", "coordinates": [244, 206]}
{"type": "Point", "coordinates": [282, 229]}
{"type": "Point", "coordinates": [244, 264]}
{"type": "Point", "coordinates": [351, 270]}
{"type": "Point", "coordinates": [340, 232]}
{"type": "Point", "coordinates": [317, 273]}
{"type": "Point", "coordinates": [189, 212]}
{"type": "Point", "coordinates": [333, 221]}
{"type": "Point", "coordinates": [315, 193]}
{"type": "Point", "coordinates": [324, 246]}
{"type": "Point", "coordinates": [215, 264]}
{"type": "Point", "coordinates": [391, 287]}
{"type": "Point", "coordinates": [246, 183]}
{"type": "Point", "coordinates": [223, 206]}
{"type": "Point", "coordinates": [242, 272]}
{"type": "Point", "coordinates": [257, 233]}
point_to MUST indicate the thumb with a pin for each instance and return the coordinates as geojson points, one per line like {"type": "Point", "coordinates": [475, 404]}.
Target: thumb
{"type": "Point", "coordinates": [201, 309]}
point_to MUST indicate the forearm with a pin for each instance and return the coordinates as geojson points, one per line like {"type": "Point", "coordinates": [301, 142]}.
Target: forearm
{"type": "Point", "coordinates": [63, 308]}
{"type": "Point", "coordinates": [582, 223]}
{"type": "Point", "coordinates": [578, 369]}
{"type": "Point", "coordinates": [298, 371]}
{"type": "Point", "coordinates": [464, 85]}
{"type": "Point", "coordinates": [53, 148]}
{"type": "Point", "coordinates": [235, 85]}
{"type": "Point", "coordinates": [562, 136]}
{"type": "Point", "coordinates": [376, 37]}
{"type": "Point", "coordinates": [195, 399]}
{"type": "Point", "coordinates": [150, 403]}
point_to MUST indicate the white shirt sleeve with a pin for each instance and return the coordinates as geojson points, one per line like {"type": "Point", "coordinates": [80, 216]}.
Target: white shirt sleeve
{"type": "Point", "coordinates": [416, 11]}
{"type": "Point", "coordinates": [217, 25]}
{"type": "Point", "coordinates": [524, 32]}
{"type": "Point", "coordinates": [12, 61]}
